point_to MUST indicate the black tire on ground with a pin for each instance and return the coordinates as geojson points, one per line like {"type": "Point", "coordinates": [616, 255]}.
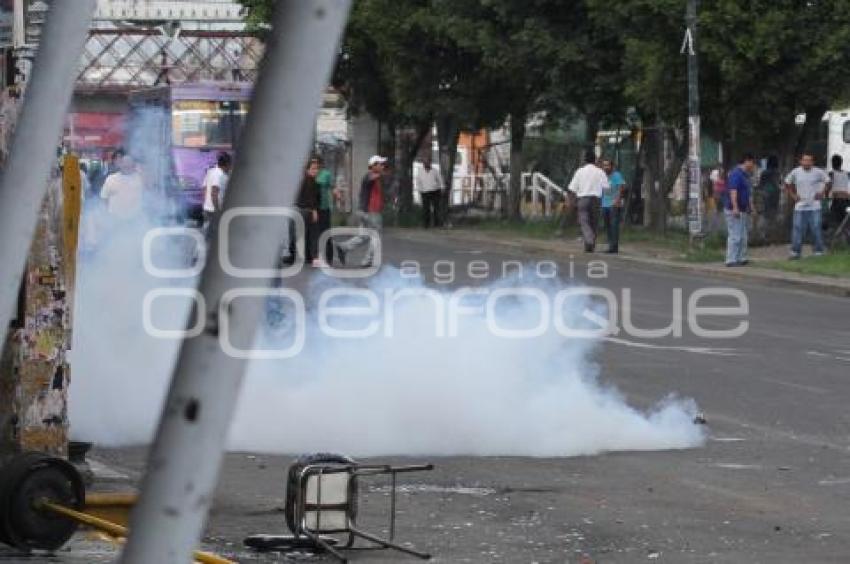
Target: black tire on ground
{"type": "Point", "coordinates": [26, 479]}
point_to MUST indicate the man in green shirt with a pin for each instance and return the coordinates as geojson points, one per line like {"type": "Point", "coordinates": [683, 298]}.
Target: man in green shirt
{"type": "Point", "coordinates": [325, 181]}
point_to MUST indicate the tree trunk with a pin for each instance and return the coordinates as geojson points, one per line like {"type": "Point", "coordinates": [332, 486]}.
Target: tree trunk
{"type": "Point", "coordinates": [448, 132]}
{"type": "Point", "coordinates": [518, 120]}
{"type": "Point", "coordinates": [410, 143]}
{"type": "Point", "coordinates": [671, 173]}
{"type": "Point", "coordinates": [663, 173]}
{"type": "Point", "coordinates": [652, 165]}
{"type": "Point", "coordinates": [592, 130]}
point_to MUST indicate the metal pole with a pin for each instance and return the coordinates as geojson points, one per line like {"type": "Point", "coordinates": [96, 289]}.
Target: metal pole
{"type": "Point", "coordinates": [18, 31]}
{"type": "Point", "coordinates": [695, 207]}
{"type": "Point", "coordinates": [184, 463]}
{"type": "Point", "coordinates": [25, 177]}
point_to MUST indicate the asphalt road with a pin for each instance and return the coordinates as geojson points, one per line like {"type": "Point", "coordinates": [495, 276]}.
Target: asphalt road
{"type": "Point", "coordinates": [771, 485]}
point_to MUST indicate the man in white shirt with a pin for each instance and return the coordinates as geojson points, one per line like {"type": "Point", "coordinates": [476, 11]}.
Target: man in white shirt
{"type": "Point", "coordinates": [806, 186]}
{"type": "Point", "coordinates": [588, 184]}
{"type": "Point", "coordinates": [429, 184]}
{"type": "Point", "coordinates": [123, 189]}
{"type": "Point", "coordinates": [215, 183]}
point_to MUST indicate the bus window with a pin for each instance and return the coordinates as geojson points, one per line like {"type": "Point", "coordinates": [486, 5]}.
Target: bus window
{"type": "Point", "coordinates": [846, 132]}
{"type": "Point", "coordinates": [205, 123]}
{"type": "Point", "coordinates": [240, 116]}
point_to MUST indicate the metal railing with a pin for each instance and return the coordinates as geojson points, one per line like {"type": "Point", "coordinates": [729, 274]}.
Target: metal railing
{"type": "Point", "coordinates": [541, 186]}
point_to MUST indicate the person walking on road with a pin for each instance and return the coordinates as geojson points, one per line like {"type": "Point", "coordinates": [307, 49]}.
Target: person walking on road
{"type": "Point", "coordinates": [215, 183]}
{"type": "Point", "coordinates": [369, 214]}
{"type": "Point", "coordinates": [806, 186]}
{"type": "Point", "coordinates": [736, 208]}
{"type": "Point", "coordinates": [429, 184]}
{"type": "Point", "coordinates": [587, 184]}
{"type": "Point", "coordinates": [612, 204]}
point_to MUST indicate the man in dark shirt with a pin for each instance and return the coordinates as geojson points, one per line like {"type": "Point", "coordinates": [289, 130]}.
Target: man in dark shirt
{"type": "Point", "coordinates": [736, 205]}
{"type": "Point", "coordinates": [307, 204]}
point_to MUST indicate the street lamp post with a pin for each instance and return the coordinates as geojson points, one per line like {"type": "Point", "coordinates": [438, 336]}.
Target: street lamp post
{"type": "Point", "coordinates": [695, 205]}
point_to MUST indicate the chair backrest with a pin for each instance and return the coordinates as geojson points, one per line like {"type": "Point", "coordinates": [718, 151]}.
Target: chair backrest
{"type": "Point", "coordinates": [327, 498]}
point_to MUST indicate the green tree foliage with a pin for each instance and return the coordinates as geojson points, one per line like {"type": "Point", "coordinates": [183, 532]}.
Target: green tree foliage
{"type": "Point", "coordinates": [762, 62]}
{"type": "Point", "coordinates": [464, 64]}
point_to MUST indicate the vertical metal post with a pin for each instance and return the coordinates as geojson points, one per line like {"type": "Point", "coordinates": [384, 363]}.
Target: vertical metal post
{"type": "Point", "coordinates": [184, 463]}
{"type": "Point", "coordinates": [24, 180]}
{"type": "Point", "coordinates": [695, 206]}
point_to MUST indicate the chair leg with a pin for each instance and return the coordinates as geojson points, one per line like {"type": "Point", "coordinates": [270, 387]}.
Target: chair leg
{"type": "Point", "coordinates": [388, 544]}
{"type": "Point", "coordinates": [331, 550]}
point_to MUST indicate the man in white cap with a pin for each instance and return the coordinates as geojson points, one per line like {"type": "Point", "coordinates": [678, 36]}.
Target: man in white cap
{"type": "Point", "coordinates": [370, 207]}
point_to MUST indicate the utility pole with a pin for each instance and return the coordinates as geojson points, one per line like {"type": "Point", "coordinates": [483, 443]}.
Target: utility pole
{"type": "Point", "coordinates": [183, 466]}
{"type": "Point", "coordinates": [689, 47]}
{"type": "Point", "coordinates": [38, 235]}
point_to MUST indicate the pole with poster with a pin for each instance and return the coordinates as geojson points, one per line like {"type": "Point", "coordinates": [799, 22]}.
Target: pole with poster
{"type": "Point", "coordinates": [695, 204]}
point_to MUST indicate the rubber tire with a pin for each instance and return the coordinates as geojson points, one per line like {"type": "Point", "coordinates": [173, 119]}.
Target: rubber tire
{"type": "Point", "coordinates": [30, 476]}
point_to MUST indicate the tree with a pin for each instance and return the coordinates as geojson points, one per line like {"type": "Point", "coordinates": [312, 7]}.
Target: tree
{"type": "Point", "coordinates": [397, 64]}
{"type": "Point", "coordinates": [528, 52]}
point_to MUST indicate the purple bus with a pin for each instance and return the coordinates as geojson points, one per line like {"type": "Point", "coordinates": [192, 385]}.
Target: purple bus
{"type": "Point", "coordinates": [177, 131]}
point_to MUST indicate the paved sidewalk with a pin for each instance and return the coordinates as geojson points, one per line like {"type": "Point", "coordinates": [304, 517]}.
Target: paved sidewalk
{"type": "Point", "coordinates": [650, 256]}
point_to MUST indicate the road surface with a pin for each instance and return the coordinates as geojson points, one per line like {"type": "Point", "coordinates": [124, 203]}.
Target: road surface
{"type": "Point", "coordinates": [771, 484]}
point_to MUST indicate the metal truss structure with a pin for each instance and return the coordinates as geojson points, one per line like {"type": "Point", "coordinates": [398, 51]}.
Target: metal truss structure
{"type": "Point", "coordinates": [133, 57]}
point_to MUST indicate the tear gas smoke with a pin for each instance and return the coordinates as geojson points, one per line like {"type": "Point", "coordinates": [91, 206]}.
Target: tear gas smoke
{"type": "Point", "coordinates": [411, 393]}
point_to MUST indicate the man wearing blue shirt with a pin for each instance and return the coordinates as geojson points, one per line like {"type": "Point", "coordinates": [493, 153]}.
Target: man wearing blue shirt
{"type": "Point", "coordinates": [736, 205]}
{"type": "Point", "coordinates": [612, 204]}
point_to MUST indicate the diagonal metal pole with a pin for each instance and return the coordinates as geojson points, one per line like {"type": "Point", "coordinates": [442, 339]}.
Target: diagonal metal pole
{"type": "Point", "coordinates": [25, 177]}
{"type": "Point", "coordinates": [185, 460]}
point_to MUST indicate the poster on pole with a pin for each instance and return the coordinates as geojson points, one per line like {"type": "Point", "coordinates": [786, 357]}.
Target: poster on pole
{"type": "Point", "coordinates": [695, 206]}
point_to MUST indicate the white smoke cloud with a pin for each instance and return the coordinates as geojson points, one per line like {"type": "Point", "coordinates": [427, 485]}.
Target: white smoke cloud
{"type": "Point", "coordinates": [413, 393]}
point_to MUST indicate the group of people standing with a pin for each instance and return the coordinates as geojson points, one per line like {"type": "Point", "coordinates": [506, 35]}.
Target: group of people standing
{"type": "Point", "coordinates": [597, 185]}
{"type": "Point", "coordinates": [314, 203]}
{"type": "Point", "coordinates": [807, 187]}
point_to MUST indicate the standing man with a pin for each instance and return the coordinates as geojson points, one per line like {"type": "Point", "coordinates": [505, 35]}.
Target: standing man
{"type": "Point", "coordinates": [123, 189]}
{"type": "Point", "coordinates": [588, 183]}
{"type": "Point", "coordinates": [736, 208]}
{"type": "Point", "coordinates": [325, 182]}
{"type": "Point", "coordinates": [307, 204]}
{"type": "Point", "coordinates": [429, 184]}
{"type": "Point", "coordinates": [369, 214]}
{"type": "Point", "coordinates": [215, 183]}
{"type": "Point", "coordinates": [612, 204]}
{"type": "Point", "coordinates": [806, 186]}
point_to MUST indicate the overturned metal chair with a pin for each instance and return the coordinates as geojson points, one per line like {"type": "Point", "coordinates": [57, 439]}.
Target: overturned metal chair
{"type": "Point", "coordinates": [322, 504]}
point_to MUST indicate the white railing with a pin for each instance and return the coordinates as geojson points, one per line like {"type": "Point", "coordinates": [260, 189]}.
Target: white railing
{"type": "Point", "coordinates": [485, 189]}
{"type": "Point", "coordinates": [489, 190]}
{"type": "Point", "coordinates": [541, 186]}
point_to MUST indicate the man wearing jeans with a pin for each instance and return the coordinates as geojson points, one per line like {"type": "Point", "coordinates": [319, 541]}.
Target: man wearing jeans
{"type": "Point", "coordinates": [369, 213]}
{"type": "Point", "coordinates": [612, 204]}
{"type": "Point", "coordinates": [806, 186]}
{"type": "Point", "coordinates": [736, 209]}
{"type": "Point", "coordinates": [587, 184]}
